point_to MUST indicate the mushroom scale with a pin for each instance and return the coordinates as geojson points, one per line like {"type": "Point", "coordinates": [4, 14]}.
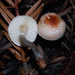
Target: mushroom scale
{"type": "Point", "coordinates": [25, 25]}
{"type": "Point", "coordinates": [51, 26]}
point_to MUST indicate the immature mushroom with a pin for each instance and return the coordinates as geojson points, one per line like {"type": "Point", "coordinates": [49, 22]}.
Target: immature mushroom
{"type": "Point", "coordinates": [51, 26]}
{"type": "Point", "coordinates": [22, 25]}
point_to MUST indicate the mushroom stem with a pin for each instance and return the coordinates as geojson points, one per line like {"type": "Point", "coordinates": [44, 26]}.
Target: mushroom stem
{"type": "Point", "coordinates": [23, 29]}
{"type": "Point", "coordinates": [36, 50]}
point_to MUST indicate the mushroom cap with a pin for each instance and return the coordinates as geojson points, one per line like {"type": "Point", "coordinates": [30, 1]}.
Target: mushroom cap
{"type": "Point", "coordinates": [25, 23]}
{"type": "Point", "coordinates": [51, 26]}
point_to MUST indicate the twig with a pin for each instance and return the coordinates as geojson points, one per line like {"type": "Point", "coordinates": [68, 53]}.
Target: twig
{"type": "Point", "coordinates": [4, 25]}
{"type": "Point", "coordinates": [16, 7]}
{"type": "Point", "coordinates": [31, 10]}
{"type": "Point", "coordinates": [5, 16]}
{"type": "Point", "coordinates": [6, 10]}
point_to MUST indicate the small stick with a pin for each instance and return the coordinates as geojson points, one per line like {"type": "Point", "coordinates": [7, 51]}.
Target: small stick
{"type": "Point", "coordinates": [6, 10]}
{"type": "Point", "coordinates": [5, 16]}
{"type": "Point", "coordinates": [30, 11]}
{"type": "Point", "coordinates": [4, 25]}
{"type": "Point", "coordinates": [16, 7]}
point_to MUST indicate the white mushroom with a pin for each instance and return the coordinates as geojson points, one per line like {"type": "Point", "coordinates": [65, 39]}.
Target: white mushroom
{"type": "Point", "coordinates": [51, 26]}
{"type": "Point", "coordinates": [25, 25]}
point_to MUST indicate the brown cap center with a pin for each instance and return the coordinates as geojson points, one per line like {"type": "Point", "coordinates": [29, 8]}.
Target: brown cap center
{"type": "Point", "coordinates": [52, 20]}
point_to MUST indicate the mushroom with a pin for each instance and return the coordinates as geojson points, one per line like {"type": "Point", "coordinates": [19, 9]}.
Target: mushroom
{"type": "Point", "coordinates": [51, 26]}
{"type": "Point", "coordinates": [25, 25]}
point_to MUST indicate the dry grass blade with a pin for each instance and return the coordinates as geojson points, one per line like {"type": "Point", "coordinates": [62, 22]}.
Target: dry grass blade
{"type": "Point", "coordinates": [16, 53]}
{"type": "Point", "coordinates": [66, 46]}
{"type": "Point", "coordinates": [18, 48]}
{"type": "Point", "coordinates": [11, 3]}
{"type": "Point", "coordinates": [37, 11]}
{"type": "Point", "coordinates": [5, 16]}
{"type": "Point", "coordinates": [4, 25]}
{"type": "Point", "coordinates": [6, 10]}
{"type": "Point", "coordinates": [31, 10]}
